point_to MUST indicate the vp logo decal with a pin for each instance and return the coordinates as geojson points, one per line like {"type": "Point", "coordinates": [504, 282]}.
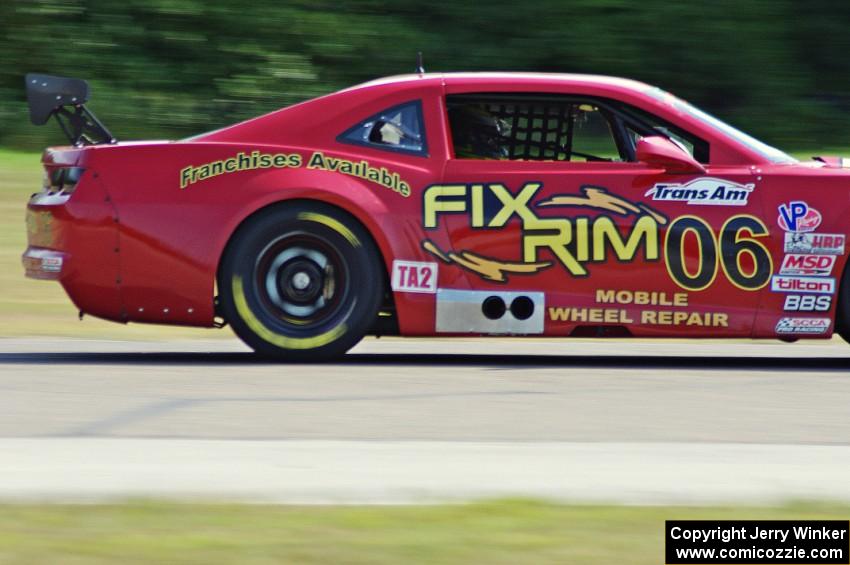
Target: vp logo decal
{"type": "Point", "coordinates": [796, 216]}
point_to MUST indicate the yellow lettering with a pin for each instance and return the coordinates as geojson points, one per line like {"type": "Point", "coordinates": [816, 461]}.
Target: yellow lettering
{"type": "Point", "coordinates": [435, 204]}
{"type": "Point", "coordinates": [477, 205]}
{"type": "Point", "coordinates": [513, 204]}
{"type": "Point", "coordinates": [605, 296]}
{"type": "Point", "coordinates": [604, 230]}
{"type": "Point", "coordinates": [555, 242]}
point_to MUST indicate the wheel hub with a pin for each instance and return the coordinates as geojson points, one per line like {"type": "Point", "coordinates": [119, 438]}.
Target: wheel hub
{"type": "Point", "coordinates": [300, 280]}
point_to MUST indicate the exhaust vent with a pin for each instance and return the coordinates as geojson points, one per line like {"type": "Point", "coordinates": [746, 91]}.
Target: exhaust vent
{"type": "Point", "coordinates": [484, 312]}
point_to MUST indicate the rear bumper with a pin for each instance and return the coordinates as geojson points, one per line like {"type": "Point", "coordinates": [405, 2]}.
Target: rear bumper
{"type": "Point", "coordinates": [72, 238]}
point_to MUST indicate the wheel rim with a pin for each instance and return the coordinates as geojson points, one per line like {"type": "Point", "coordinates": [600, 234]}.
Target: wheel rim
{"type": "Point", "coordinates": [301, 280]}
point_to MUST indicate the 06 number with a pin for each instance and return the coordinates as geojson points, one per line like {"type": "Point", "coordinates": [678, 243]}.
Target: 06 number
{"type": "Point", "coordinates": [738, 237]}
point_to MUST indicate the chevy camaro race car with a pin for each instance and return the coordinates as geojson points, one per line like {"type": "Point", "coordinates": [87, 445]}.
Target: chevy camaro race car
{"type": "Point", "coordinates": [445, 204]}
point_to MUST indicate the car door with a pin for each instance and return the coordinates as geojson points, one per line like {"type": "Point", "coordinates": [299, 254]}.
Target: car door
{"type": "Point", "coordinates": [559, 215]}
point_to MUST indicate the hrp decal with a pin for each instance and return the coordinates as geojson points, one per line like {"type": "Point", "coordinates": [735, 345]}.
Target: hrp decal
{"type": "Point", "coordinates": [414, 276]}
{"type": "Point", "coordinates": [706, 190]}
{"type": "Point", "coordinates": [819, 243]}
{"type": "Point", "coordinates": [796, 216]}
{"type": "Point", "coordinates": [802, 325]}
{"type": "Point", "coordinates": [813, 285]}
{"type": "Point", "coordinates": [799, 264]}
{"type": "Point", "coordinates": [807, 303]}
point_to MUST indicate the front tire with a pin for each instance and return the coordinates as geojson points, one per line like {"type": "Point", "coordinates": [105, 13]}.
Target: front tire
{"type": "Point", "coordinates": [301, 281]}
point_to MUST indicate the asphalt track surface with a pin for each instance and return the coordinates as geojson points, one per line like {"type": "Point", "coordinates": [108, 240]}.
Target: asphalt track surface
{"type": "Point", "coordinates": [427, 420]}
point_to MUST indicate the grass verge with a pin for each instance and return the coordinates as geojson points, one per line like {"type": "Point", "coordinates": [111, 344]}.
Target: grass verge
{"type": "Point", "coordinates": [499, 532]}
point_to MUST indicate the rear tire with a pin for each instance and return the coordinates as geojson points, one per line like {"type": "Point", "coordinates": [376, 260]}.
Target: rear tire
{"type": "Point", "coordinates": [302, 282]}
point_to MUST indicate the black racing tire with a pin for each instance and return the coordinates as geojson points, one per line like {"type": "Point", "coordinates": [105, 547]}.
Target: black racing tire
{"type": "Point", "coordinates": [301, 281]}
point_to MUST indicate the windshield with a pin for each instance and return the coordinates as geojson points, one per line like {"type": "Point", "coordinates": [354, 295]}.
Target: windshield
{"type": "Point", "coordinates": [771, 153]}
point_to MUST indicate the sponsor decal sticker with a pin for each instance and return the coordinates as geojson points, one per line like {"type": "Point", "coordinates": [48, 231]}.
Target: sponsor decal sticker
{"type": "Point", "coordinates": [627, 314]}
{"type": "Point", "coordinates": [414, 276]}
{"type": "Point", "coordinates": [797, 216]}
{"type": "Point", "coordinates": [807, 303]}
{"type": "Point", "coordinates": [255, 160]}
{"type": "Point", "coordinates": [576, 230]}
{"type": "Point", "coordinates": [705, 191]}
{"type": "Point", "coordinates": [801, 264]}
{"type": "Point", "coordinates": [803, 325]}
{"type": "Point", "coordinates": [812, 285]}
{"type": "Point", "coordinates": [817, 243]}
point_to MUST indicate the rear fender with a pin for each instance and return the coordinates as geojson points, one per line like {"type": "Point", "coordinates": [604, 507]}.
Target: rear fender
{"type": "Point", "coordinates": [392, 221]}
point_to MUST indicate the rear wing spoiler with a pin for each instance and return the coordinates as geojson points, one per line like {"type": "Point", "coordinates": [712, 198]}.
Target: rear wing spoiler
{"type": "Point", "coordinates": [66, 99]}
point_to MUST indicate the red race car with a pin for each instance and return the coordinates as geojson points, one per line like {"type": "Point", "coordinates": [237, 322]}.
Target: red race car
{"type": "Point", "coordinates": [445, 204]}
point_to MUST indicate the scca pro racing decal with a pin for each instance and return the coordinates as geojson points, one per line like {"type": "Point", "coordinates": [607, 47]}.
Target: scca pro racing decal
{"type": "Point", "coordinates": [817, 243]}
{"type": "Point", "coordinates": [797, 216]}
{"type": "Point", "coordinates": [414, 276]}
{"type": "Point", "coordinates": [706, 191]}
{"type": "Point", "coordinates": [803, 326]}
{"type": "Point", "coordinates": [582, 239]}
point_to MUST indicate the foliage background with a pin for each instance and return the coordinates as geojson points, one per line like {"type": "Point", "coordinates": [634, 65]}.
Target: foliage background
{"type": "Point", "coordinates": [171, 68]}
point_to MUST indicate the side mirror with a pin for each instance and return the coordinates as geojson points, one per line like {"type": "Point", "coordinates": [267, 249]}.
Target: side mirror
{"type": "Point", "coordinates": [661, 152]}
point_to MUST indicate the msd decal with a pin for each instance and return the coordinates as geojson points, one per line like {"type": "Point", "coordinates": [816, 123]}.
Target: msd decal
{"type": "Point", "coordinates": [796, 216]}
{"type": "Point", "coordinates": [802, 326]}
{"type": "Point", "coordinates": [704, 191]}
{"type": "Point", "coordinates": [818, 243]}
{"type": "Point", "coordinates": [414, 276]}
{"type": "Point", "coordinates": [811, 285]}
{"type": "Point", "coordinates": [814, 265]}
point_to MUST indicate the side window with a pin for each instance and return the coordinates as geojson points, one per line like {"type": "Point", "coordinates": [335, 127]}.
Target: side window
{"type": "Point", "coordinates": [399, 128]}
{"type": "Point", "coordinates": [593, 135]}
{"type": "Point", "coordinates": [639, 123]}
{"type": "Point", "coordinates": [539, 128]}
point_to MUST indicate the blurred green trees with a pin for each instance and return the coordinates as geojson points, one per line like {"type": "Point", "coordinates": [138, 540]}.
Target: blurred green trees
{"type": "Point", "coordinates": [778, 69]}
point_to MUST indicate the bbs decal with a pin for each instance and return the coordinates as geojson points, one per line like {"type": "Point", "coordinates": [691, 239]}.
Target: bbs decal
{"type": "Point", "coordinates": [807, 303]}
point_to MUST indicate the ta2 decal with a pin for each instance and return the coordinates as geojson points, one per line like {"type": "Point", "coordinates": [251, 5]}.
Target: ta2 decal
{"type": "Point", "coordinates": [797, 216]}
{"type": "Point", "coordinates": [704, 191]}
{"type": "Point", "coordinates": [414, 276]}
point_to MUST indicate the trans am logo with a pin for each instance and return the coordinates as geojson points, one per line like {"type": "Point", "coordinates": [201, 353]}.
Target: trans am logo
{"type": "Point", "coordinates": [705, 191]}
